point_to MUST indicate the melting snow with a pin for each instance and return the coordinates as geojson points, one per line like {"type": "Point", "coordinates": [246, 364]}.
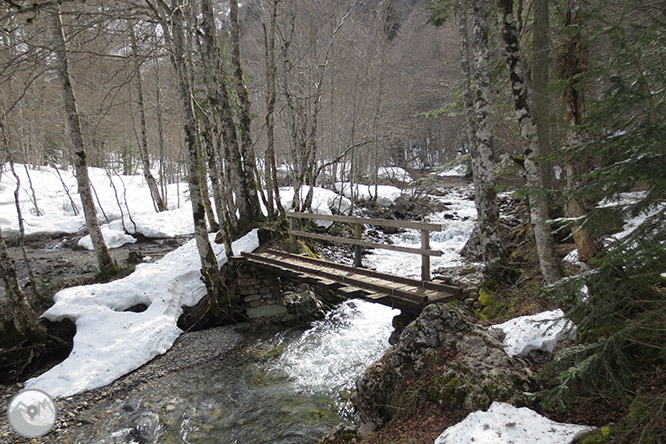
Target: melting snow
{"type": "Point", "coordinates": [541, 331]}
{"type": "Point", "coordinates": [111, 342]}
{"type": "Point", "coordinates": [395, 173]}
{"type": "Point", "coordinates": [504, 424]}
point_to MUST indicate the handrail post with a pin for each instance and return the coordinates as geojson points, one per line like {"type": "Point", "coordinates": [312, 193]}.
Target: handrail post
{"type": "Point", "coordinates": [357, 248]}
{"type": "Point", "coordinates": [425, 259]}
{"type": "Point", "coordinates": [292, 237]}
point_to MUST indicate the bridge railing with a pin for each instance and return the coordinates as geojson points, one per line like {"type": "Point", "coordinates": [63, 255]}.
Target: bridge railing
{"type": "Point", "coordinates": [357, 222]}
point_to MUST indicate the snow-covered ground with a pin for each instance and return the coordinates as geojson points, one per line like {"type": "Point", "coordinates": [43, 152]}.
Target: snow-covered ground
{"type": "Point", "coordinates": [458, 170]}
{"type": "Point", "coordinates": [503, 424]}
{"type": "Point", "coordinates": [323, 201]}
{"type": "Point", "coordinates": [119, 199]}
{"type": "Point", "coordinates": [110, 341]}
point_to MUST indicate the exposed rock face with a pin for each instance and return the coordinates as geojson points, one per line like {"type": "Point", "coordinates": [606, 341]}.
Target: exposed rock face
{"type": "Point", "coordinates": [475, 371]}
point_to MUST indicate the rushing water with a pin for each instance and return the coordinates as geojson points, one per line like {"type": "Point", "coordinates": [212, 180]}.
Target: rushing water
{"type": "Point", "coordinates": [289, 387]}
{"type": "Point", "coordinates": [457, 224]}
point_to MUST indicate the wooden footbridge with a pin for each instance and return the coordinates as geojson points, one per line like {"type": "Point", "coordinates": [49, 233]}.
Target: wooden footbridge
{"type": "Point", "coordinates": [406, 294]}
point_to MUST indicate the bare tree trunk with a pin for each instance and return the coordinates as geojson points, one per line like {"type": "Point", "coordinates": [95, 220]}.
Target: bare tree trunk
{"type": "Point", "coordinates": [571, 62]}
{"type": "Point", "coordinates": [219, 99]}
{"type": "Point", "coordinates": [106, 264]}
{"type": "Point", "coordinates": [482, 155]}
{"type": "Point", "coordinates": [24, 318]}
{"type": "Point", "coordinates": [247, 150]}
{"type": "Point", "coordinates": [209, 266]}
{"type": "Point", "coordinates": [538, 206]}
{"type": "Point", "coordinates": [160, 133]}
{"type": "Point", "coordinates": [143, 146]}
{"type": "Point", "coordinates": [19, 214]}
{"type": "Point", "coordinates": [272, 187]}
{"type": "Point", "coordinates": [214, 165]}
{"type": "Point", "coordinates": [465, 68]}
{"type": "Point", "coordinates": [540, 96]}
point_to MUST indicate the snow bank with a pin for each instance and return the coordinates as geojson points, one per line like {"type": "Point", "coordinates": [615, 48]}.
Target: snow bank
{"type": "Point", "coordinates": [504, 424]}
{"type": "Point", "coordinates": [111, 342]}
{"type": "Point", "coordinates": [541, 331]}
{"type": "Point", "coordinates": [394, 173]}
{"type": "Point", "coordinates": [323, 201]}
{"type": "Point", "coordinates": [386, 194]}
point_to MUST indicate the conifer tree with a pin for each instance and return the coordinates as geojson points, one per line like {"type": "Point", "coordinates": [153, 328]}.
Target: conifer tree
{"type": "Point", "coordinates": [619, 307]}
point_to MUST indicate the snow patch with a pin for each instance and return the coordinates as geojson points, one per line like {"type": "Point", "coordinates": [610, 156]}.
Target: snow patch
{"type": "Point", "coordinates": [386, 194]}
{"type": "Point", "coordinates": [113, 238]}
{"type": "Point", "coordinates": [458, 170]}
{"type": "Point", "coordinates": [111, 342]}
{"type": "Point", "coordinates": [504, 423]}
{"type": "Point", "coordinates": [323, 201]}
{"type": "Point", "coordinates": [541, 331]}
{"type": "Point", "coordinates": [394, 173]}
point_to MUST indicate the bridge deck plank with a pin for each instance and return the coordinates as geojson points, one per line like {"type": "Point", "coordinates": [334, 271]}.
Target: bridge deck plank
{"type": "Point", "coordinates": [394, 291]}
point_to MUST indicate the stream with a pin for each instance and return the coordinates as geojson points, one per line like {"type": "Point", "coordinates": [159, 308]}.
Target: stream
{"type": "Point", "coordinates": [286, 386]}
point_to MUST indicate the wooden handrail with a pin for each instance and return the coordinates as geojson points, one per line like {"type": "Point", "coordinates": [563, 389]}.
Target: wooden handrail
{"type": "Point", "coordinates": [357, 222]}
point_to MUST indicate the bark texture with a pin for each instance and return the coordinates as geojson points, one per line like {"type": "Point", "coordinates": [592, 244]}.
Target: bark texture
{"type": "Point", "coordinates": [465, 69]}
{"type": "Point", "coordinates": [209, 266]}
{"type": "Point", "coordinates": [106, 264]}
{"type": "Point", "coordinates": [270, 169]}
{"type": "Point", "coordinates": [247, 150]}
{"type": "Point", "coordinates": [572, 61]}
{"type": "Point", "coordinates": [143, 145]}
{"type": "Point", "coordinates": [540, 97]}
{"type": "Point", "coordinates": [482, 151]}
{"type": "Point", "coordinates": [216, 90]}
{"type": "Point", "coordinates": [23, 317]}
{"type": "Point", "coordinates": [548, 261]}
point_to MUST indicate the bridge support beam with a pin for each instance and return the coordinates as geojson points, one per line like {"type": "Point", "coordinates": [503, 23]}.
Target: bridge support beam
{"type": "Point", "coordinates": [425, 259]}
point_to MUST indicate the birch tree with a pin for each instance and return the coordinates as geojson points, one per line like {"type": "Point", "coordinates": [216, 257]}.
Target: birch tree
{"type": "Point", "coordinates": [106, 264]}
{"type": "Point", "coordinates": [143, 144]}
{"type": "Point", "coordinates": [173, 22]}
{"type": "Point", "coordinates": [481, 152]}
{"type": "Point", "coordinates": [538, 206]}
{"type": "Point", "coordinates": [244, 123]}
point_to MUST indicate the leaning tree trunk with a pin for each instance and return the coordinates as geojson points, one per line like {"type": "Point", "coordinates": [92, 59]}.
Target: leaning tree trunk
{"type": "Point", "coordinates": [23, 317]}
{"type": "Point", "coordinates": [538, 206]}
{"type": "Point", "coordinates": [104, 260]}
{"type": "Point", "coordinates": [143, 145]}
{"type": "Point", "coordinates": [209, 266]}
{"type": "Point", "coordinates": [482, 155]}
{"type": "Point", "coordinates": [572, 61]}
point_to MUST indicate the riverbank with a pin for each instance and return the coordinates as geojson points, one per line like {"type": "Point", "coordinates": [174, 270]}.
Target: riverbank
{"type": "Point", "coordinates": [79, 414]}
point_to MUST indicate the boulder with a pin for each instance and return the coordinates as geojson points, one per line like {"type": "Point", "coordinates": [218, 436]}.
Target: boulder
{"type": "Point", "coordinates": [466, 367]}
